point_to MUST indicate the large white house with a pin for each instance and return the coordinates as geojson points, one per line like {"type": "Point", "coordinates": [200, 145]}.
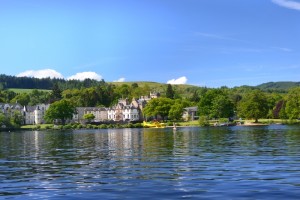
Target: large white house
{"type": "Point", "coordinates": [124, 111]}
{"type": "Point", "coordinates": [35, 114]}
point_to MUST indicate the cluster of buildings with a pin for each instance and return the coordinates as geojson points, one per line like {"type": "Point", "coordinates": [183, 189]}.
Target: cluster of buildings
{"type": "Point", "coordinates": [124, 110]}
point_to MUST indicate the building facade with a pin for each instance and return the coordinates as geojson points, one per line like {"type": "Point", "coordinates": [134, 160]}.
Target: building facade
{"type": "Point", "coordinates": [100, 114]}
{"type": "Point", "coordinates": [35, 114]}
{"type": "Point", "coordinates": [190, 113]}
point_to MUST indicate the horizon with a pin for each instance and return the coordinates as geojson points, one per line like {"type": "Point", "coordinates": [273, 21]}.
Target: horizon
{"type": "Point", "coordinates": [206, 43]}
{"type": "Point", "coordinates": [139, 81]}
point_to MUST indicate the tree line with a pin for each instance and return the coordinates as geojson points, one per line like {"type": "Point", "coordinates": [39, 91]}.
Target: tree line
{"type": "Point", "coordinates": [7, 81]}
{"type": "Point", "coordinates": [213, 103]}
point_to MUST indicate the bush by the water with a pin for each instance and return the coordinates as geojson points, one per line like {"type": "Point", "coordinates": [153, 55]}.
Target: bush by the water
{"type": "Point", "coordinates": [203, 121]}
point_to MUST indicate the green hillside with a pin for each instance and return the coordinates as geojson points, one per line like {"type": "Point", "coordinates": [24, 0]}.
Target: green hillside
{"type": "Point", "coordinates": [20, 91]}
{"type": "Point", "coordinates": [184, 89]}
{"type": "Point", "coordinates": [283, 86]}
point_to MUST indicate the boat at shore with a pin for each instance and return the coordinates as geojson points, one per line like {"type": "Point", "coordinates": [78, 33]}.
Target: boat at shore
{"type": "Point", "coordinates": [154, 124]}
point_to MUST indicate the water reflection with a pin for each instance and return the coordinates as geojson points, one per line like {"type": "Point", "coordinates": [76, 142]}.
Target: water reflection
{"type": "Point", "coordinates": [230, 162]}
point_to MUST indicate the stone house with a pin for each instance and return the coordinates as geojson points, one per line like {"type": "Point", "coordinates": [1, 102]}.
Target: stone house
{"type": "Point", "coordinates": [100, 114]}
{"type": "Point", "coordinates": [190, 113]}
{"type": "Point", "coordinates": [8, 109]}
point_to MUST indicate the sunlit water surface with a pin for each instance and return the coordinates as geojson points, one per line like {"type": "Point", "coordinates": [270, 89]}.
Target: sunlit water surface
{"type": "Point", "coordinates": [191, 163]}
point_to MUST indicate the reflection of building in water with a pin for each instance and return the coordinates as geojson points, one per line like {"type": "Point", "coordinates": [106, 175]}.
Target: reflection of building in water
{"type": "Point", "coordinates": [123, 142]}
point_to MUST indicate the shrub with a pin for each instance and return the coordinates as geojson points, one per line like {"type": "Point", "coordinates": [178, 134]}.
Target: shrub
{"type": "Point", "coordinates": [48, 126]}
{"type": "Point", "coordinates": [68, 126]}
{"type": "Point", "coordinates": [203, 121]}
{"type": "Point", "coordinates": [103, 126]}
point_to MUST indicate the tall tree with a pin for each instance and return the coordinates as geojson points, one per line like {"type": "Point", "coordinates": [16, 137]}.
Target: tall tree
{"type": "Point", "coordinates": [61, 110]}
{"type": "Point", "coordinates": [17, 119]}
{"type": "Point", "coordinates": [292, 108]}
{"type": "Point", "coordinates": [55, 93]}
{"type": "Point", "coordinates": [216, 103]}
{"type": "Point", "coordinates": [176, 109]}
{"type": "Point", "coordinates": [170, 92]}
{"type": "Point", "coordinates": [222, 107]}
{"type": "Point", "coordinates": [23, 99]}
{"type": "Point", "coordinates": [253, 105]}
{"type": "Point", "coordinates": [158, 107]}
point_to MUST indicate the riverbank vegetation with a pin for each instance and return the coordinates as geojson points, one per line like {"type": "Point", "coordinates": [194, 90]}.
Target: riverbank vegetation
{"type": "Point", "coordinates": [267, 101]}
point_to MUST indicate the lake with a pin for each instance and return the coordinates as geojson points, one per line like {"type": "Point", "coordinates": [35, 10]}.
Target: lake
{"type": "Point", "coordinates": [261, 162]}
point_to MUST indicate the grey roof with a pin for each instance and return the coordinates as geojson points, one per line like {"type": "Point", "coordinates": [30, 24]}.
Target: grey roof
{"type": "Point", "coordinates": [191, 109]}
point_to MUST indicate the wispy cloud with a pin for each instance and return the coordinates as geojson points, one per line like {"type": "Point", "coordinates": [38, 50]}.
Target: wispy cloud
{"type": "Point", "coordinates": [283, 49]}
{"type": "Point", "coordinates": [120, 80]}
{"type": "Point", "coordinates": [178, 81]}
{"type": "Point", "coordinates": [43, 73]}
{"type": "Point", "coordinates": [219, 37]}
{"type": "Point", "coordinates": [288, 4]}
{"type": "Point", "coordinates": [84, 75]}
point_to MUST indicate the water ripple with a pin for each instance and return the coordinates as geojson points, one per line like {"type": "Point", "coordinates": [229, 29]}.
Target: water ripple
{"type": "Point", "coordinates": [193, 163]}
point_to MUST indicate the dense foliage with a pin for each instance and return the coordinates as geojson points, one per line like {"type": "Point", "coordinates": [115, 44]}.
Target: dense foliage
{"type": "Point", "coordinates": [254, 105]}
{"type": "Point", "coordinates": [61, 110]}
{"type": "Point", "coordinates": [213, 103]}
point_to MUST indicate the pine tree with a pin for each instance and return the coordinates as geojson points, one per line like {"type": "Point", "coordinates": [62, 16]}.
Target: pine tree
{"type": "Point", "coordinates": [170, 92]}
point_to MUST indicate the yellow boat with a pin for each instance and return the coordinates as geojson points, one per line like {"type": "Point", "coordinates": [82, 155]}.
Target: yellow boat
{"type": "Point", "coordinates": [154, 124]}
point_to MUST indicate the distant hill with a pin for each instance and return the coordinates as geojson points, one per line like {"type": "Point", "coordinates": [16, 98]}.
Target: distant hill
{"type": "Point", "coordinates": [283, 86]}
{"type": "Point", "coordinates": [185, 90]}
{"type": "Point", "coordinates": [9, 82]}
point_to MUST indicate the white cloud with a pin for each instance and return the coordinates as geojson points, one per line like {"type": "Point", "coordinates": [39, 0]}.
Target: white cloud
{"type": "Point", "coordinates": [288, 4]}
{"type": "Point", "coordinates": [43, 73]}
{"type": "Point", "coordinates": [283, 49]}
{"type": "Point", "coordinates": [120, 80]}
{"type": "Point", "coordinates": [84, 75]}
{"type": "Point", "coordinates": [181, 80]}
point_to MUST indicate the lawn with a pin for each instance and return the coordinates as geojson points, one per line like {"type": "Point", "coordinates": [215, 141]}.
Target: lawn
{"type": "Point", "coordinates": [20, 90]}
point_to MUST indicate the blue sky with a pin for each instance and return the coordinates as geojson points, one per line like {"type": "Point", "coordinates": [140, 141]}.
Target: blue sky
{"type": "Point", "coordinates": [209, 43]}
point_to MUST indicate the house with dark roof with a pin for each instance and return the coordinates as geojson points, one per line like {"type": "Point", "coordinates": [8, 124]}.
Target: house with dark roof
{"type": "Point", "coordinates": [100, 114]}
{"type": "Point", "coordinates": [35, 114]}
{"type": "Point", "coordinates": [190, 113]}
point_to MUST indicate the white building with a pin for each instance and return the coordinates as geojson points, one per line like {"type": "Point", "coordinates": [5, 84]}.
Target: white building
{"type": "Point", "coordinates": [35, 114]}
{"type": "Point", "coordinates": [124, 111]}
{"type": "Point", "coordinates": [131, 113]}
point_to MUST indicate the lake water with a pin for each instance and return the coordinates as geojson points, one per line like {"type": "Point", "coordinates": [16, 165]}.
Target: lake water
{"type": "Point", "coordinates": [191, 163]}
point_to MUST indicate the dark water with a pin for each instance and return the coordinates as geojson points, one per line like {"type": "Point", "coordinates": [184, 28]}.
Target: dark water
{"type": "Point", "coordinates": [191, 163]}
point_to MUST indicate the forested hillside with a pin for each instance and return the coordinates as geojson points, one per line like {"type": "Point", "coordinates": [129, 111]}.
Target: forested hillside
{"type": "Point", "coordinates": [282, 87]}
{"type": "Point", "coordinates": [7, 82]}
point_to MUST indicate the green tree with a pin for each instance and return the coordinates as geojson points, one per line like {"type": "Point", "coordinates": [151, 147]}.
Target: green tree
{"type": "Point", "coordinates": [253, 105]}
{"type": "Point", "coordinates": [89, 117]}
{"type": "Point", "coordinates": [4, 121]}
{"type": "Point", "coordinates": [222, 107]}
{"type": "Point", "coordinates": [216, 103]}
{"type": "Point", "coordinates": [17, 119]}
{"type": "Point", "coordinates": [22, 99]}
{"type": "Point", "coordinates": [56, 93]}
{"type": "Point", "coordinates": [158, 107]}
{"type": "Point", "coordinates": [134, 85]}
{"type": "Point", "coordinates": [170, 92]}
{"type": "Point", "coordinates": [176, 109]}
{"type": "Point", "coordinates": [292, 107]}
{"type": "Point", "coordinates": [60, 110]}
{"type": "Point", "coordinates": [195, 97]}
